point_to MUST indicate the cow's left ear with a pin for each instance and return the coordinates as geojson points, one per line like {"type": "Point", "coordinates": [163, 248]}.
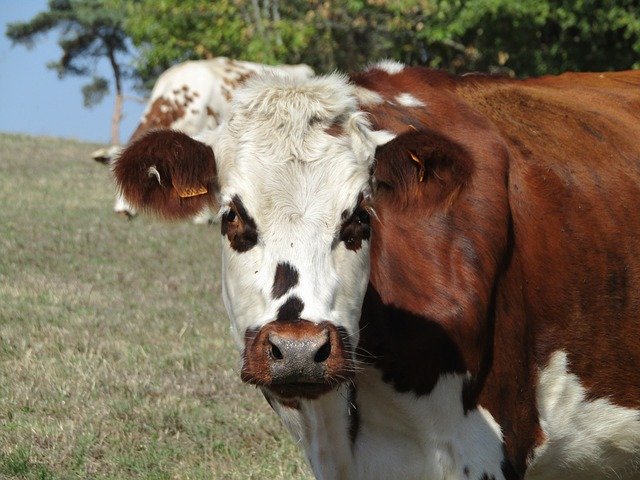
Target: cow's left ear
{"type": "Point", "coordinates": [168, 173]}
{"type": "Point", "coordinates": [423, 160]}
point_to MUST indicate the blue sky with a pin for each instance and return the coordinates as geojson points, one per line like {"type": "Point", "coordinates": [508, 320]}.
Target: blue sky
{"type": "Point", "coordinates": [32, 98]}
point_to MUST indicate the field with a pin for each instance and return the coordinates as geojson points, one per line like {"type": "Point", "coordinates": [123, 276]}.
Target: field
{"type": "Point", "coordinates": [116, 360]}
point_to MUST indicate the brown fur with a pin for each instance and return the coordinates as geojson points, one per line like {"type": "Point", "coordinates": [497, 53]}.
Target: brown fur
{"type": "Point", "coordinates": [286, 277]}
{"type": "Point", "coordinates": [523, 239]}
{"type": "Point", "coordinates": [163, 112]}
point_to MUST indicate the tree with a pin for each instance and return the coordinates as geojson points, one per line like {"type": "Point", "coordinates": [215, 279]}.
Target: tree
{"type": "Point", "coordinates": [90, 30]}
{"type": "Point", "coordinates": [533, 37]}
{"type": "Point", "coordinates": [523, 38]}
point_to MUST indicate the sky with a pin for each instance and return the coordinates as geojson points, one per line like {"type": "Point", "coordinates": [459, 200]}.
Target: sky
{"type": "Point", "coordinates": [33, 100]}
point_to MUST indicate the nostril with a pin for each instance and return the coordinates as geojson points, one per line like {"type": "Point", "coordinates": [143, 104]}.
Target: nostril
{"type": "Point", "coordinates": [323, 352]}
{"type": "Point", "coordinates": [276, 353]}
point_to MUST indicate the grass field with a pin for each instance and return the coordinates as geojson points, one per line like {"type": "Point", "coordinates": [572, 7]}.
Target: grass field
{"type": "Point", "coordinates": [115, 354]}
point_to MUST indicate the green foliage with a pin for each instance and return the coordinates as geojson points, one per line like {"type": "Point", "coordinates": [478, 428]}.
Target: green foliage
{"type": "Point", "coordinates": [524, 37]}
{"type": "Point", "coordinates": [94, 92]}
{"type": "Point", "coordinates": [89, 31]}
{"type": "Point", "coordinates": [531, 37]}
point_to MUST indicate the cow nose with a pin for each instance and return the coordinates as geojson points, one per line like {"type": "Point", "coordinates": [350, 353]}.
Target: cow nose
{"type": "Point", "coordinates": [315, 349]}
{"type": "Point", "coordinates": [299, 360]}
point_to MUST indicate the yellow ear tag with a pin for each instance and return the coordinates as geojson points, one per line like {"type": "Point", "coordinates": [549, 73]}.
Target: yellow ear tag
{"type": "Point", "coordinates": [420, 164]}
{"type": "Point", "coordinates": [186, 192]}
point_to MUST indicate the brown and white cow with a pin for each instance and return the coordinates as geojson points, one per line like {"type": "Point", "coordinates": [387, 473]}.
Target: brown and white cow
{"type": "Point", "coordinates": [192, 97]}
{"type": "Point", "coordinates": [469, 311]}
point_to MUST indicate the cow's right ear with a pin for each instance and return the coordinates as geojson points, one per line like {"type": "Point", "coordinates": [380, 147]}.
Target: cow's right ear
{"type": "Point", "coordinates": [168, 173]}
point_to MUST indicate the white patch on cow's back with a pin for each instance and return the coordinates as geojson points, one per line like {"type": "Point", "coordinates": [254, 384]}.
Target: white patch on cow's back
{"type": "Point", "coordinates": [594, 438]}
{"type": "Point", "coordinates": [390, 66]}
{"type": "Point", "coordinates": [409, 100]}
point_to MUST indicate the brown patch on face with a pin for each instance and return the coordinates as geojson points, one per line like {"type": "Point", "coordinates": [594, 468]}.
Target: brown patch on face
{"type": "Point", "coordinates": [290, 310]}
{"type": "Point", "coordinates": [239, 227]}
{"type": "Point", "coordinates": [286, 278]}
{"type": "Point", "coordinates": [152, 171]}
{"type": "Point", "coordinates": [268, 359]}
{"type": "Point", "coordinates": [356, 227]}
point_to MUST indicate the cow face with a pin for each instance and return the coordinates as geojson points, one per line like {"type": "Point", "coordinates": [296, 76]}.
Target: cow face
{"type": "Point", "coordinates": [291, 175]}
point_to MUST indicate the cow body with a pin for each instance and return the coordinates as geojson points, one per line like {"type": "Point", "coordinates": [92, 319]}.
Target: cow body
{"type": "Point", "coordinates": [192, 97]}
{"type": "Point", "coordinates": [499, 335]}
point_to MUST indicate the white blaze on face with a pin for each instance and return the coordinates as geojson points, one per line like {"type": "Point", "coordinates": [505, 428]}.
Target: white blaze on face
{"type": "Point", "coordinates": [296, 180]}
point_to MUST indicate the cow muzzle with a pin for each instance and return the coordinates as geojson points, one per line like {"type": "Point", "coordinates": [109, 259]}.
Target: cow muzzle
{"type": "Point", "coordinates": [297, 359]}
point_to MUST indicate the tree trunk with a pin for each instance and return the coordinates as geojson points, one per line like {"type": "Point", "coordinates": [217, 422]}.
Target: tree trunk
{"type": "Point", "coordinates": [117, 108]}
{"type": "Point", "coordinates": [115, 120]}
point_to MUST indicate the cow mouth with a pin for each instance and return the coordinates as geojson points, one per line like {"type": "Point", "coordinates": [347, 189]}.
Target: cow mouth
{"type": "Point", "coordinates": [306, 390]}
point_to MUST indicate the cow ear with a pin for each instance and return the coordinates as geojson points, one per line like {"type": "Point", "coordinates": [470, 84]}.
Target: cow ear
{"type": "Point", "coordinates": [168, 173]}
{"type": "Point", "coordinates": [423, 160]}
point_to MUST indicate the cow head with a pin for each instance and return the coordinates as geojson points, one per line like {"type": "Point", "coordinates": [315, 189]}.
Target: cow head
{"type": "Point", "coordinates": [290, 173]}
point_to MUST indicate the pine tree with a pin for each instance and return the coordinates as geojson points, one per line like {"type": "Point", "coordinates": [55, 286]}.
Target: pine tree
{"type": "Point", "coordinates": [90, 30]}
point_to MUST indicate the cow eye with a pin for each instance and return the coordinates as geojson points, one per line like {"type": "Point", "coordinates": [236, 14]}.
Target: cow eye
{"type": "Point", "coordinates": [356, 228]}
{"type": "Point", "coordinates": [230, 216]}
{"type": "Point", "coordinates": [239, 227]}
{"type": "Point", "coordinates": [362, 216]}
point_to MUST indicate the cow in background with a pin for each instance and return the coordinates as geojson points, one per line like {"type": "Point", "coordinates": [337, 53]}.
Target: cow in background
{"type": "Point", "coordinates": [191, 97]}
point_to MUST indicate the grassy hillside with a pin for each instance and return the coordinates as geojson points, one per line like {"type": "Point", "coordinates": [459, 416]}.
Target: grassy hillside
{"type": "Point", "coordinates": [115, 354]}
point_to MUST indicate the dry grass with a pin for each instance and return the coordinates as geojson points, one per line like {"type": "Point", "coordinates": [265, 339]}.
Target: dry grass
{"type": "Point", "coordinates": [115, 354]}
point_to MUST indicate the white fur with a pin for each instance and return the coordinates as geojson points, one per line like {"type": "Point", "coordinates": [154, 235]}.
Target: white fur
{"type": "Point", "coordinates": [591, 439]}
{"type": "Point", "coordinates": [390, 66]}
{"type": "Point", "coordinates": [401, 435]}
{"type": "Point", "coordinates": [295, 180]}
{"type": "Point", "coordinates": [429, 437]}
{"type": "Point", "coordinates": [409, 100]}
{"type": "Point", "coordinates": [367, 97]}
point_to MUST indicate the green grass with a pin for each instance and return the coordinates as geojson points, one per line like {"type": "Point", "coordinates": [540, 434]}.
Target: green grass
{"type": "Point", "coordinates": [115, 354]}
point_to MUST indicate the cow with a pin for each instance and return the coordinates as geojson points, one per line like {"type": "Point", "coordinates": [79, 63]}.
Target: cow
{"type": "Point", "coordinates": [191, 97]}
{"type": "Point", "coordinates": [428, 276]}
